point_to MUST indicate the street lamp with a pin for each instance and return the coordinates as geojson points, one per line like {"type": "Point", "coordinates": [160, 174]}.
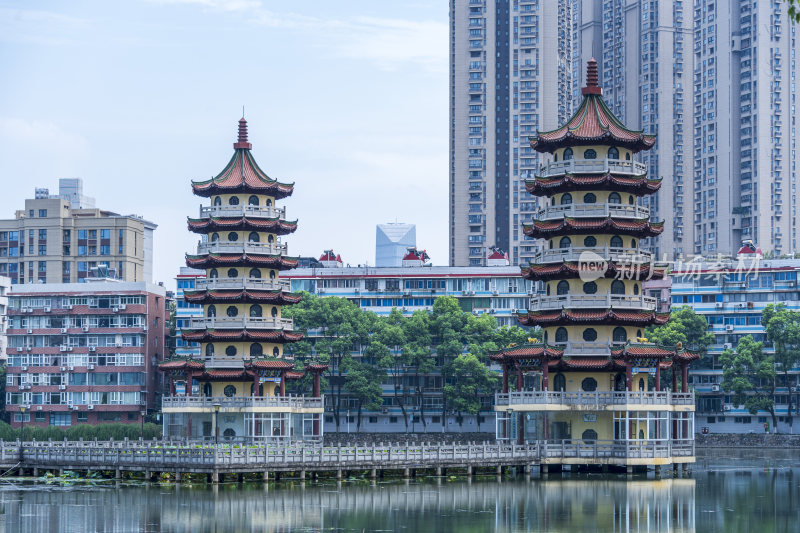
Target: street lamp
{"type": "Point", "coordinates": [217, 405]}
{"type": "Point", "coordinates": [141, 417]}
{"type": "Point", "coordinates": [22, 409]}
{"type": "Point", "coordinates": [509, 414]}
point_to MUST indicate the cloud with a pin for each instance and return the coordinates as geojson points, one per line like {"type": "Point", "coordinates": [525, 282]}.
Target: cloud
{"type": "Point", "coordinates": [37, 26]}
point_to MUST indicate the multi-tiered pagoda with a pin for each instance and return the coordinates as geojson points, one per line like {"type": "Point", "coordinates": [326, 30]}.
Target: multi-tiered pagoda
{"type": "Point", "coordinates": [592, 377]}
{"type": "Point", "coordinates": [237, 389]}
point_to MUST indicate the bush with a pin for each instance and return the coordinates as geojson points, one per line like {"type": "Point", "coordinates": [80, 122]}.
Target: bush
{"type": "Point", "coordinates": [114, 431]}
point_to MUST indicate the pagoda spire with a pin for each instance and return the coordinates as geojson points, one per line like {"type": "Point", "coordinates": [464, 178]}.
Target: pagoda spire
{"type": "Point", "coordinates": [242, 142]}
{"type": "Point", "coordinates": [592, 79]}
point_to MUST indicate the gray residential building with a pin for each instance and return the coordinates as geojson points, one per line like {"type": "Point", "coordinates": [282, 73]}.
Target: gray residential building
{"type": "Point", "coordinates": [510, 75]}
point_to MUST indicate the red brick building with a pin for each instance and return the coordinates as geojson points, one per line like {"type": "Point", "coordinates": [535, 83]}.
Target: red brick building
{"type": "Point", "coordinates": [84, 352]}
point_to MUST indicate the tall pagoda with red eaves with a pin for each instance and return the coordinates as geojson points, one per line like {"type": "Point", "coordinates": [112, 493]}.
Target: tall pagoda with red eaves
{"type": "Point", "coordinates": [592, 378]}
{"type": "Point", "coordinates": [237, 389]}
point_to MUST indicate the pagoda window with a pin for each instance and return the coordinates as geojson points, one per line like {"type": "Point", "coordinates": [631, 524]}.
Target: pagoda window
{"type": "Point", "coordinates": [545, 335]}
{"type": "Point", "coordinates": [271, 274]}
{"type": "Point", "coordinates": [207, 389]}
{"type": "Point", "coordinates": [229, 391]}
{"type": "Point", "coordinates": [253, 237]}
{"type": "Point", "coordinates": [561, 335]}
{"type": "Point", "coordinates": [214, 237]}
{"type": "Point", "coordinates": [268, 203]}
{"type": "Point", "coordinates": [209, 350]}
{"type": "Point", "coordinates": [274, 312]}
{"type": "Point", "coordinates": [619, 335]}
{"type": "Point", "coordinates": [638, 333]}
{"type": "Point", "coordinates": [276, 352]}
{"type": "Point", "coordinates": [256, 350]}
{"type": "Point", "coordinates": [589, 198]}
{"type": "Point", "coordinates": [616, 241]}
{"type": "Point", "coordinates": [553, 200]}
{"type": "Point", "coordinates": [590, 241]}
{"type": "Point", "coordinates": [590, 334]}
{"type": "Point", "coordinates": [631, 201]}
{"type": "Point", "coordinates": [551, 245]}
{"type": "Point", "coordinates": [232, 311]}
{"type": "Point", "coordinates": [589, 435]}
{"type": "Point", "coordinates": [589, 385]}
{"type": "Point", "coordinates": [617, 287]}
{"type": "Point", "coordinates": [213, 274]}
{"type": "Point", "coordinates": [565, 242]}
{"type": "Point", "coordinates": [567, 154]}
{"type": "Point", "coordinates": [253, 200]}
{"type": "Point", "coordinates": [559, 383]}
{"type": "Point", "coordinates": [613, 153]}
{"type": "Point", "coordinates": [255, 273]}
{"type": "Point", "coordinates": [217, 201]}
{"type": "Point", "coordinates": [566, 198]}
{"type": "Point", "coordinates": [590, 154]}
{"type": "Point", "coordinates": [212, 310]}
{"type": "Point", "coordinates": [590, 287]}
{"type": "Point", "coordinates": [627, 157]}
{"type": "Point", "coordinates": [271, 239]}
{"type": "Point", "coordinates": [233, 273]}
{"type": "Point", "coordinates": [548, 289]}
{"type": "Point", "coordinates": [641, 384]}
{"type": "Point", "coordinates": [555, 157]}
{"type": "Point", "coordinates": [619, 382]}
{"type": "Point", "coordinates": [230, 351]}
{"type": "Point", "coordinates": [255, 310]}
{"type": "Point", "coordinates": [636, 288]}
{"type": "Point", "coordinates": [614, 198]}
{"type": "Point", "coordinates": [562, 288]}
{"type": "Point", "coordinates": [233, 236]}
{"type": "Point", "coordinates": [233, 200]}
{"type": "Point", "coordinates": [633, 243]}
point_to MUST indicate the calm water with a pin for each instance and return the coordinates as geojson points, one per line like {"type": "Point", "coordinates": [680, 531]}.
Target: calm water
{"type": "Point", "coordinates": [729, 491]}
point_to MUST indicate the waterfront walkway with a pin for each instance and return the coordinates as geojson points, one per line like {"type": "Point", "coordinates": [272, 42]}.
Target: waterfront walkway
{"type": "Point", "coordinates": [154, 457]}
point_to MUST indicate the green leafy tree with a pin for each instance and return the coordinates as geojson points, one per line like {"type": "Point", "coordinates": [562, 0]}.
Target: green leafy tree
{"type": "Point", "coordinates": [470, 378]}
{"type": "Point", "coordinates": [794, 10]}
{"type": "Point", "coordinates": [687, 328]}
{"type": "Point", "coordinates": [749, 375]}
{"type": "Point", "coordinates": [364, 384]}
{"type": "Point", "coordinates": [783, 330]}
{"type": "Point", "coordinates": [392, 339]}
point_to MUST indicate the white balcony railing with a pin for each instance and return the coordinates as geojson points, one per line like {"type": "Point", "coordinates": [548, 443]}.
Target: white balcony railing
{"type": "Point", "coordinates": [593, 301]}
{"type": "Point", "coordinates": [600, 210]}
{"type": "Point", "coordinates": [618, 255]}
{"type": "Point", "coordinates": [242, 283]}
{"type": "Point", "coordinates": [208, 402]}
{"type": "Point", "coordinates": [216, 322]}
{"type": "Point", "coordinates": [583, 348]}
{"type": "Point", "coordinates": [235, 211]}
{"type": "Point", "coordinates": [241, 247]}
{"type": "Point", "coordinates": [593, 166]}
{"type": "Point", "coordinates": [597, 398]}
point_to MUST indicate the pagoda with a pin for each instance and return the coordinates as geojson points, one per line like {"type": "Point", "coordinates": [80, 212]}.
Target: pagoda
{"type": "Point", "coordinates": [592, 377]}
{"type": "Point", "coordinates": [237, 389]}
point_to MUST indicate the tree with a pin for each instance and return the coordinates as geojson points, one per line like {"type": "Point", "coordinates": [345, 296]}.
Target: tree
{"type": "Point", "coordinates": [749, 374]}
{"type": "Point", "coordinates": [364, 384]}
{"type": "Point", "coordinates": [783, 330]}
{"type": "Point", "coordinates": [685, 327]}
{"type": "Point", "coordinates": [470, 379]}
{"type": "Point", "coordinates": [391, 338]}
{"type": "Point", "coordinates": [794, 10]}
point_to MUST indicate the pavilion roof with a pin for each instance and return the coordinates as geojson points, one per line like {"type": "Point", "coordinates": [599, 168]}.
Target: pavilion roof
{"type": "Point", "coordinates": [543, 229]}
{"type": "Point", "coordinates": [599, 316]}
{"type": "Point", "coordinates": [238, 295]}
{"type": "Point", "coordinates": [572, 269]}
{"type": "Point", "coordinates": [638, 185]}
{"type": "Point", "coordinates": [272, 225]}
{"type": "Point", "coordinates": [221, 259]}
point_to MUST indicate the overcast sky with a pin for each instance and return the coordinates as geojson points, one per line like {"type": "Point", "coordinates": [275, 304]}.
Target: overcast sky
{"type": "Point", "coordinates": [138, 97]}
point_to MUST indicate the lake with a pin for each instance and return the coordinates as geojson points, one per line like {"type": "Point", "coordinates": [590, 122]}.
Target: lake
{"type": "Point", "coordinates": [754, 491]}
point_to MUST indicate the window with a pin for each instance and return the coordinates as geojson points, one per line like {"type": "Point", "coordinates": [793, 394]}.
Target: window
{"type": "Point", "coordinates": [229, 391]}
{"type": "Point", "coordinates": [589, 198]}
{"type": "Point", "coordinates": [620, 335]}
{"type": "Point", "coordinates": [60, 419]}
{"type": "Point", "coordinates": [589, 435]}
{"type": "Point", "coordinates": [213, 273]}
{"type": "Point", "coordinates": [565, 242]}
{"type": "Point", "coordinates": [232, 311]}
{"type": "Point", "coordinates": [613, 153]}
{"type": "Point", "coordinates": [105, 249]}
{"type": "Point", "coordinates": [214, 237]}
{"type": "Point", "coordinates": [590, 287]}
{"type": "Point", "coordinates": [233, 200]}
{"type": "Point", "coordinates": [616, 241]}
{"type": "Point", "coordinates": [567, 154]}
{"type": "Point", "coordinates": [217, 201]}
{"type": "Point", "coordinates": [43, 214]}
{"type": "Point", "coordinates": [253, 237]}
{"type": "Point", "coordinates": [614, 198]}
{"type": "Point", "coordinates": [562, 288]}
{"type": "Point", "coordinates": [233, 273]}
{"type": "Point", "coordinates": [590, 241]}
{"type": "Point", "coordinates": [253, 200]}
{"type": "Point", "coordinates": [42, 249]}
{"type": "Point", "coordinates": [82, 250]}
{"type": "Point", "coordinates": [559, 383]}
{"type": "Point", "coordinates": [617, 287]}
{"type": "Point", "coordinates": [590, 334]}
{"type": "Point", "coordinates": [212, 310]}
{"type": "Point", "coordinates": [589, 384]}
{"type": "Point", "coordinates": [230, 351]}
{"type": "Point", "coordinates": [566, 198]}
{"type": "Point", "coordinates": [105, 233]}
{"type": "Point", "coordinates": [562, 335]}
{"type": "Point", "coordinates": [255, 310]}
{"type": "Point", "coordinates": [256, 350]}
{"type": "Point", "coordinates": [233, 236]}
{"type": "Point", "coordinates": [276, 352]}
{"type": "Point", "coordinates": [255, 273]}
{"type": "Point", "coordinates": [209, 350]}
{"type": "Point", "coordinates": [42, 234]}
{"type": "Point", "coordinates": [590, 154]}
{"type": "Point", "coordinates": [274, 312]}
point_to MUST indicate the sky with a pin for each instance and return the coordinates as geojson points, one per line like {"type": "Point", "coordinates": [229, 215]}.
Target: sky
{"type": "Point", "coordinates": [349, 100]}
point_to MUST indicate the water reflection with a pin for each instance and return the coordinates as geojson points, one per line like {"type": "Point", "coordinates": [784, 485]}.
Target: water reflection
{"type": "Point", "coordinates": [728, 492]}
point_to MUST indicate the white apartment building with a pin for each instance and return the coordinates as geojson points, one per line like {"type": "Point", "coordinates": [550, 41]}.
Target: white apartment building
{"type": "Point", "coordinates": [5, 286]}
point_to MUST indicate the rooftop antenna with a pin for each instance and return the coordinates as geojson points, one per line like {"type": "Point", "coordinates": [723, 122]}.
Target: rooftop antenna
{"type": "Point", "coordinates": [242, 111]}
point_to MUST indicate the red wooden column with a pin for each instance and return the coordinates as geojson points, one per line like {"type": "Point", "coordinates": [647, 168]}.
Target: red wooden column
{"type": "Point", "coordinates": [658, 376]}
{"type": "Point", "coordinates": [283, 383]}
{"type": "Point", "coordinates": [545, 374]}
{"type": "Point", "coordinates": [171, 386]}
{"type": "Point", "coordinates": [519, 378]}
{"type": "Point", "coordinates": [684, 377]}
{"type": "Point", "coordinates": [315, 391]}
{"type": "Point", "coordinates": [189, 379]}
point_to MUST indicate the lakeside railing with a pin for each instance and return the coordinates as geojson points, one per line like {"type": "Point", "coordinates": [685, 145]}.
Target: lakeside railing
{"type": "Point", "coordinates": [596, 398]}
{"type": "Point", "coordinates": [208, 402]}
{"type": "Point", "coordinates": [167, 455]}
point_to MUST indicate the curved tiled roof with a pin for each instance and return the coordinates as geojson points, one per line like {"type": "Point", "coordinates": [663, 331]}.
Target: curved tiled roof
{"type": "Point", "coordinates": [592, 123]}
{"type": "Point", "coordinates": [216, 259]}
{"type": "Point", "coordinates": [201, 335]}
{"type": "Point", "coordinates": [541, 229]}
{"type": "Point", "coordinates": [527, 351]}
{"type": "Point", "coordinates": [638, 185]}
{"type": "Point", "coordinates": [603, 316]}
{"type": "Point", "coordinates": [180, 364]}
{"type": "Point", "coordinates": [242, 174]}
{"type": "Point", "coordinates": [571, 269]}
{"type": "Point", "coordinates": [243, 296]}
{"type": "Point", "coordinates": [271, 225]}
{"type": "Point", "coordinates": [269, 364]}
